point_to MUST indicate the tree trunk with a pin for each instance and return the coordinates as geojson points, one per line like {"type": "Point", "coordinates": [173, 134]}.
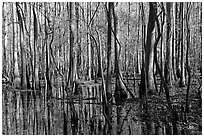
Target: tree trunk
{"type": "Point", "coordinates": [36, 78]}
{"type": "Point", "coordinates": [72, 71]}
{"type": "Point", "coordinates": [71, 57]}
{"type": "Point", "coordinates": [168, 68]}
{"type": "Point", "coordinates": [4, 39]}
{"type": "Point", "coordinates": [149, 52]}
{"type": "Point", "coordinates": [17, 79]}
{"type": "Point", "coordinates": [142, 85]}
{"type": "Point", "coordinates": [47, 59]}
{"type": "Point", "coordinates": [88, 44]}
{"type": "Point", "coordinates": [187, 58]}
{"type": "Point", "coordinates": [161, 49]}
{"type": "Point", "coordinates": [108, 75]}
{"type": "Point", "coordinates": [107, 107]}
{"type": "Point", "coordinates": [182, 79]}
{"type": "Point", "coordinates": [173, 44]}
{"type": "Point", "coordinates": [120, 90]}
{"type": "Point", "coordinates": [138, 70]}
{"type": "Point", "coordinates": [176, 39]}
{"type": "Point", "coordinates": [178, 46]}
{"type": "Point", "coordinates": [22, 40]}
{"type": "Point", "coordinates": [78, 52]}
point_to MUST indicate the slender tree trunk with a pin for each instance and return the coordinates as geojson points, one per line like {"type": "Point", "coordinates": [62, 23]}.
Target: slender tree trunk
{"type": "Point", "coordinates": [120, 90]}
{"type": "Point", "coordinates": [47, 72]}
{"type": "Point", "coordinates": [142, 86]}
{"type": "Point", "coordinates": [187, 58]}
{"type": "Point", "coordinates": [108, 75]}
{"type": "Point", "coordinates": [71, 39]}
{"type": "Point", "coordinates": [178, 46]}
{"type": "Point", "coordinates": [78, 52]}
{"type": "Point", "coordinates": [167, 69]}
{"type": "Point", "coordinates": [5, 125]}
{"type": "Point", "coordinates": [138, 45]}
{"type": "Point", "coordinates": [88, 43]}
{"type": "Point", "coordinates": [17, 79]}
{"type": "Point", "coordinates": [176, 38]}
{"type": "Point", "coordinates": [47, 59]}
{"type": "Point", "coordinates": [107, 108]}
{"type": "Point", "coordinates": [22, 44]}
{"type": "Point", "coordinates": [36, 78]}
{"type": "Point", "coordinates": [182, 79]}
{"type": "Point", "coordinates": [161, 49]}
{"type": "Point", "coordinates": [72, 70]}
{"type": "Point", "coordinates": [4, 39]}
{"type": "Point", "coordinates": [173, 44]}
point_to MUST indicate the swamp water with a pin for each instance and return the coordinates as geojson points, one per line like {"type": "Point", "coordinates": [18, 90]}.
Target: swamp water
{"type": "Point", "coordinates": [26, 113]}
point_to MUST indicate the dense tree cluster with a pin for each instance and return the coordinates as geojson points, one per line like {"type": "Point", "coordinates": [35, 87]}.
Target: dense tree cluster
{"type": "Point", "coordinates": [85, 41]}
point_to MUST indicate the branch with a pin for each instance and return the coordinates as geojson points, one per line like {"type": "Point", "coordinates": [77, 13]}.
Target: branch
{"type": "Point", "coordinates": [23, 18]}
{"type": "Point", "coordinates": [94, 14]}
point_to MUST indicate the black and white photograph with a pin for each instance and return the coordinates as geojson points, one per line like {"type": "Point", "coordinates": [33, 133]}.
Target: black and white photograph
{"type": "Point", "coordinates": [101, 68]}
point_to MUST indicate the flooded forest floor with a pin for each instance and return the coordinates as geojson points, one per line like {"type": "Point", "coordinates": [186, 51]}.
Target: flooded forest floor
{"type": "Point", "coordinates": [28, 112]}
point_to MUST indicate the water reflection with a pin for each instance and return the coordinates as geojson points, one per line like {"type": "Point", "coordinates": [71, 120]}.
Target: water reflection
{"type": "Point", "coordinates": [82, 114]}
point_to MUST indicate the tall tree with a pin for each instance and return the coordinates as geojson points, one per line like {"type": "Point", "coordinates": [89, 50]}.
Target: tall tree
{"type": "Point", "coordinates": [72, 68]}
{"type": "Point", "coordinates": [108, 109]}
